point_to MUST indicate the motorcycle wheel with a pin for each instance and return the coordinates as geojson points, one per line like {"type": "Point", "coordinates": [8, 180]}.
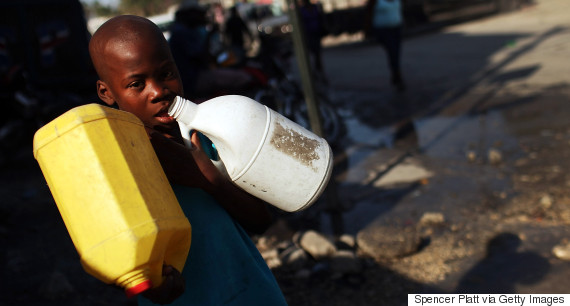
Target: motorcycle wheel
{"type": "Point", "coordinates": [332, 125]}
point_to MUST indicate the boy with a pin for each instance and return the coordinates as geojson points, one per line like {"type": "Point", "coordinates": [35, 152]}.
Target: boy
{"type": "Point", "coordinates": [137, 72]}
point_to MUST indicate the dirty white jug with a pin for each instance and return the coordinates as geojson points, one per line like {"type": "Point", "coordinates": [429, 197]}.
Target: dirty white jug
{"type": "Point", "coordinates": [263, 152]}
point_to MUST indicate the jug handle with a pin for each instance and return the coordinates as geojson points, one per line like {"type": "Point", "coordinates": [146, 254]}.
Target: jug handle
{"type": "Point", "coordinates": [185, 131]}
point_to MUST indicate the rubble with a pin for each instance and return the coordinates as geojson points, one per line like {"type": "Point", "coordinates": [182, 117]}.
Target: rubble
{"type": "Point", "coordinates": [432, 218]}
{"type": "Point", "coordinates": [294, 257]}
{"type": "Point", "coordinates": [562, 251]}
{"type": "Point", "coordinates": [315, 244]}
{"type": "Point", "coordinates": [310, 253]}
{"type": "Point", "coordinates": [346, 241]}
{"type": "Point", "coordinates": [385, 242]}
{"type": "Point", "coordinates": [545, 202]}
{"type": "Point", "coordinates": [495, 156]}
{"type": "Point", "coordinates": [471, 156]}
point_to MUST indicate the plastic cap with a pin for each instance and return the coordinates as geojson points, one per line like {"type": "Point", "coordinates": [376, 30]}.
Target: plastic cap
{"type": "Point", "coordinates": [136, 289]}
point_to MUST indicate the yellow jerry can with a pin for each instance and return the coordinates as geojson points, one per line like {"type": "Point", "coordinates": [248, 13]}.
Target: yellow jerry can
{"type": "Point", "coordinates": [113, 196]}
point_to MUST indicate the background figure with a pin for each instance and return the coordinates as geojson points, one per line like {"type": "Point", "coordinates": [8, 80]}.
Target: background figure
{"type": "Point", "coordinates": [236, 30]}
{"type": "Point", "coordinates": [216, 21]}
{"type": "Point", "coordinates": [385, 22]}
{"type": "Point", "coordinates": [314, 25]}
{"type": "Point", "coordinates": [190, 43]}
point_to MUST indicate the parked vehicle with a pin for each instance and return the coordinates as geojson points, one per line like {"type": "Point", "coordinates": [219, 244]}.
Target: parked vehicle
{"type": "Point", "coordinates": [284, 95]}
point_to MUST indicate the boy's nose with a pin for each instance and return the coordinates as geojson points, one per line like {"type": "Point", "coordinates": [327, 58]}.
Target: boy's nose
{"type": "Point", "coordinates": [158, 90]}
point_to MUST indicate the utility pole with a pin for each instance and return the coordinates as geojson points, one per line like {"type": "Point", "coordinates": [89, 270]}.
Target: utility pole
{"type": "Point", "coordinates": [303, 61]}
{"type": "Point", "coordinates": [299, 44]}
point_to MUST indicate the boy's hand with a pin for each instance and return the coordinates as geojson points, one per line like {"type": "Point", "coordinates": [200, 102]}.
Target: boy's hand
{"type": "Point", "coordinates": [193, 168]}
{"type": "Point", "coordinates": [186, 166]}
{"type": "Point", "coordinates": [171, 288]}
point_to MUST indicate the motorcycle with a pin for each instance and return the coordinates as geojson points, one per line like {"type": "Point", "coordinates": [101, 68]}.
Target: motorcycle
{"type": "Point", "coordinates": [275, 86]}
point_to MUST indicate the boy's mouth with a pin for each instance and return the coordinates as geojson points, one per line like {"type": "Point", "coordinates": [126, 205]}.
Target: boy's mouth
{"type": "Point", "coordinates": [163, 117]}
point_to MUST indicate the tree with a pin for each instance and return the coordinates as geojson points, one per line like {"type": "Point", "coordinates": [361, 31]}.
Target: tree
{"type": "Point", "coordinates": [98, 9]}
{"type": "Point", "coordinates": [146, 7]}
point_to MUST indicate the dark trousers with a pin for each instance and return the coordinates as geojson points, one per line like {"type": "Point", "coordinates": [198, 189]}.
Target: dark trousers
{"type": "Point", "coordinates": [391, 39]}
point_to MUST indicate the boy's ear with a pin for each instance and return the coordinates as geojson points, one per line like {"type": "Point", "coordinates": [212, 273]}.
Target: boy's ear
{"type": "Point", "coordinates": [104, 93]}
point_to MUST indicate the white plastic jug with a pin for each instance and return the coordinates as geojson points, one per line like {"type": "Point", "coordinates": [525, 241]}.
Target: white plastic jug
{"type": "Point", "coordinates": [263, 152]}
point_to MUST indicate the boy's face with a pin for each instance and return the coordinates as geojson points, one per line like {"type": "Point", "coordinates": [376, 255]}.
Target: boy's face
{"type": "Point", "coordinates": [142, 78]}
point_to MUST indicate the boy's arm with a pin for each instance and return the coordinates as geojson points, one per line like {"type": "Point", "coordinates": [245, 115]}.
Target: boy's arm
{"type": "Point", "coordinates": [193, 168]}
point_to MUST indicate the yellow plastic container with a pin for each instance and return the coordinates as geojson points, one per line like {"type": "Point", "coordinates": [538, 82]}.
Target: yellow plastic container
{"type": "Point", "coordinates": [113, 196]}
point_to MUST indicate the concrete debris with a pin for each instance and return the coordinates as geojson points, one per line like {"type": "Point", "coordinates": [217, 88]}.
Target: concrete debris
{"type": "Point", "coordinates": [562, 251]}
{"type": "Point", "coordinates": [317, 245]}
{"type": "Point", "coordinates": [385, 242]}
{"type": "Point", "coordinates": [471, 156]}
{"type": "Point", "coordinates": [311, 253]}
{"type": "Point", "coordinates": [271, 257]}
{"type": "Point", "coordinates": [402, 174]}
{"type": "Point", "coordinates": [268, 254]}
{"type": "Point", "coordinates": [546, 202]}
{"type": "Point", "coordinates": [346, 241]}
{"type": "Point", "coordinates": [294, 257]}
{"type": "Point", "coordinates": [432, 218]}
{"type": "Point", "coordinates": [495, 156]}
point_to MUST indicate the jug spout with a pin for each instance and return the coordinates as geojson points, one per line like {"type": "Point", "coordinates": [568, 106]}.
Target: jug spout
{"type": "Point", "coordinates": [182, 110]}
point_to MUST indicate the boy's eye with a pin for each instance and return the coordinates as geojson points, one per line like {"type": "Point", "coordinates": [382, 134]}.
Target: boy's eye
{"type": "Point", "coordinates": [169, 74]}
{"type": "Point", "coordinates": [136, 84]}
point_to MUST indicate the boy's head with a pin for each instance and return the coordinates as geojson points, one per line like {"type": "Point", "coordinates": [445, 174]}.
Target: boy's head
{"type": "Point", "coordinates": [136, 69]}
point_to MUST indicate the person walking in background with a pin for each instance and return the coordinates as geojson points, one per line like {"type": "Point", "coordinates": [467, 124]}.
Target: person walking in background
{"type": "Point", "coordinates": [314, 25]}
{"type": "Point", "coordinates": [384, 23]}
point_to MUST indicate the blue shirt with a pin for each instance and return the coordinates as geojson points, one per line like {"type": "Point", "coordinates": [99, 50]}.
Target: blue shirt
{"type": "Point", "coordinates": [223, 267]}
{"type": "Point", "coordinates": [387, 13]}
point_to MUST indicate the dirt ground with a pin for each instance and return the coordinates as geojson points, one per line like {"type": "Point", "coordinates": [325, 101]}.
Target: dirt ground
{"type": "Point", "coordinates": [500, 241]}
